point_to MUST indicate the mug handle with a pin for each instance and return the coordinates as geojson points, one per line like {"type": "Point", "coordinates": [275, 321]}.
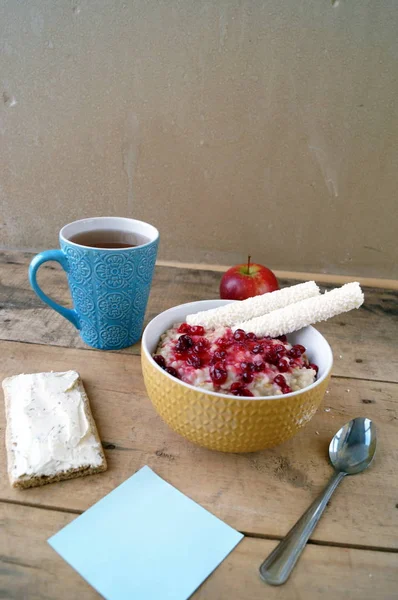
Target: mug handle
{"type": "Point", "coordinates": [39, 259]}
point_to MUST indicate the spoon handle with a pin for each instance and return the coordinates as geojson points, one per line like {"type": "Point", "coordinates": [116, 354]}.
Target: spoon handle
{"type": "Point", "coordinates": [277, 567]}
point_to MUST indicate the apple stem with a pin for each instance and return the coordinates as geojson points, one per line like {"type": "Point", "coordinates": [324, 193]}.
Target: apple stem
{"type": "Point", "coordinates": [248, 264]}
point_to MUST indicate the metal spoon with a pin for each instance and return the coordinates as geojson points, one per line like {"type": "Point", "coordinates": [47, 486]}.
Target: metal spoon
{"type": "Point", "coordinates": [351, 450]}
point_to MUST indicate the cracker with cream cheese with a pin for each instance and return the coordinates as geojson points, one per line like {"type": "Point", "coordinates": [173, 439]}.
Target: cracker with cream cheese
{"type": "Point", "coordinates": [51, 433]}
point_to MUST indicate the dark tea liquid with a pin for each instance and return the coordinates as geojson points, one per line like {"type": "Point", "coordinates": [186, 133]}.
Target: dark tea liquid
{"type": "Point", "coordinates": [109, 238]}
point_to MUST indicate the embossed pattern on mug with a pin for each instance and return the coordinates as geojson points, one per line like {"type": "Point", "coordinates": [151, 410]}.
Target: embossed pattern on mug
{"type": "Point", "coordinates": [110, 291]}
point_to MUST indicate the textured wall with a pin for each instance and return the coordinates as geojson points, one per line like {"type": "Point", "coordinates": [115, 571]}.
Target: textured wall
{"type": "Point", "coordinates": [234, 126]}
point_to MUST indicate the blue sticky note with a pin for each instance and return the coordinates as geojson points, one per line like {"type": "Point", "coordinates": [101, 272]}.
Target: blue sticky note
{"type": "Point", "coordinates": [145, 541]}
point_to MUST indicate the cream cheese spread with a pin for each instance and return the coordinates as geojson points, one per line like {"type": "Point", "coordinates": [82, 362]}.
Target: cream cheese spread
{"type": "Point", "coordinates": [48, 429]}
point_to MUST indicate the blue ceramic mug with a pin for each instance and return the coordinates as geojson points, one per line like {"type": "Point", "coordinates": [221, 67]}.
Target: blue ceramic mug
{"type": "Point", "coordinates": [109, 286]}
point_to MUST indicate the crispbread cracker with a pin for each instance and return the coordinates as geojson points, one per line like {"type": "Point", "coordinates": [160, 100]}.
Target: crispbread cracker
{"type": "Point", "coordinates": [38, 421]}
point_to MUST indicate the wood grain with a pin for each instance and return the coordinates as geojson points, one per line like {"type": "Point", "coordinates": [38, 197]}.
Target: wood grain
{"type": "Point", "coordinates": [262, 493]}
{"type": "Point", "coordinates": [31, 569]}
{"type": "Point", "coordinates": [333, 278]}
{"type": "Point", "coordinates": [363, 341]}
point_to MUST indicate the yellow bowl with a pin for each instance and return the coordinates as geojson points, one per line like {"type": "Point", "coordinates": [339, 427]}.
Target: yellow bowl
{"type": "Point", "coordinates": [231, 423]}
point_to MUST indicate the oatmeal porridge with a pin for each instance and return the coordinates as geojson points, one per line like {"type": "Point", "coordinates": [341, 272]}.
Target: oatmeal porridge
{"type": "Point", "coordinates": [238, 363]}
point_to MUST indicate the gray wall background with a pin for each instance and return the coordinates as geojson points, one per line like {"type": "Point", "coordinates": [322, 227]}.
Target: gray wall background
{"type": "Point", "coordinates": [233, 126]}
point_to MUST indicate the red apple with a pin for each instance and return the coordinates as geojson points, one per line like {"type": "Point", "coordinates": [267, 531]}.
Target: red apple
{"type": "Point", "coordinates": [247, 280]}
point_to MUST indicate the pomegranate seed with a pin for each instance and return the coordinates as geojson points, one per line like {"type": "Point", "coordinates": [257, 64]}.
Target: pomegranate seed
{"type": "Point", "coordinates": [201, 346]}
{"type": "Point", "coordinates": [186, 340]}
{"type": "Point", "coordinates": [218, 355]}
{"type": "Point", "coordinates": [183, 343]}
{"type": "Point", "coordinates": [282, 338]}
{"type": "Point", "coordinates": [235, 387]}
{"type": "Point", "coordinates": [159, 360]}
{"type": "Point", "coordinates": [279, 349]}
{"type": "Point", "coordinates": [194, 361]}
{"type": "Point", "coordinates": [218, 374]}
{"type": "Point", "coordinates": [258, 349]}
{"type": "Point", "coordinates": [221, 365]}
{"type": "Point", "coordinates": [280, 380]}
{"type": "Point", "coordinates": [271, 357]}
{"type": "Point", "coordinates": [220, 341]}
{"type": "Point", "coordinates": [315, 367]}
{"type": "Point", "coordinates": [251, 336]}
{"type": "Point", "coordinates": [283, 365]}
{"type": "Point", "coordinates": [239, 335]}
{"type": "Point", "coordinates": [259, 367]}
{"type": "Point", "coordinates": [197, 330]}
{"type": "Point", "coordinates": [294, 352]}
{"type": "Point", "coordinates": [191, 330]}
{"type": "Point", "coordinates": [243, 392]}
{"type": "Point", "coordinates": [286, 389]}
{"type": "Point", "coordinates": [172, 371]}
{"type": "Point", "coordinates": [247, 366]}
{"type": "Point", "coordinates": [299, 347]}
{"type": "Point", "coordinates": [247, 376]}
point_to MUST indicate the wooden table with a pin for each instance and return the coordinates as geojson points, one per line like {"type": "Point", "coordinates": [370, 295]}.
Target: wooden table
{"type": "Point", "coordinates": [354, 550]}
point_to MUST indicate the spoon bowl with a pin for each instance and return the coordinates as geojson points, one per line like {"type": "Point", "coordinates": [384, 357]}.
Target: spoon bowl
{"type": "Point", "coordinates": [353, 447]}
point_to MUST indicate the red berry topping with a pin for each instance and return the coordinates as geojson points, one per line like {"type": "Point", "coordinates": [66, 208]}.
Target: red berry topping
{"type": "Point", "coordinates": [172, 371]}
{"type": "Point", "coordinates": [251, 336]}
{"type": "Point", "coordinates": [243, 392]}
{"type": "Point", "coordinates": [183, 343]}
{"type": "Point", "coordinates": [239, 335]}
{"type": "Point", "coordinates": [218, 374]}
{"type": "Point", "coordinates": [191, 330]}
{"type": "Point", "coordinates": [219, 355]}
{"type": "Point", "coordinates": [299, 347]}
{"type": "Point", "coordinates": [282, 338]}
{"type": "Point", "coordinates": [201, 346]}
{"type": "Point", "coordinates": [293, 353]}
{"type": "Point", "coordinates": [283, 365]}
{"type": "Point", "coordinates": [279, 349]}
{"type": "Point", "coordinates": [286, 389]}
{"type": "Point", "coordinates": [296, 351]}
{"type": "Point", "coordinates": [258, 349]}
{"type": "Point", "coordinates": [194, 361]}
{"type": "Point", "coordinates": [247, 366]}
{"type": "Point", "coordinates": [280, 380]}
{"type": "Point", "coordinates": [258, 367]}
{"type": "Point", "coordinates": [315, 367]}
{"type": "Point", "coordinates": [247, 376]}
{"type": "Point", "coordinates": [235, 387]}
{"type": "Point", "coordinates": [272, 357]}
{"type": "Point", "coordinates": [159, 360]}
{"type": "Point", "coordinates": [196, 330]}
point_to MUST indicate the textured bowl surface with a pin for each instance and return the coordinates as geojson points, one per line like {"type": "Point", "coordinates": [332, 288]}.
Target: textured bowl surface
{"type": "Point", "coordinates": [231, 423]}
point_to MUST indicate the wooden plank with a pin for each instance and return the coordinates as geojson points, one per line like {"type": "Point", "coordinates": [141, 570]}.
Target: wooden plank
{"type": "Point", "coordinates": [263, 492]}
{"type": "Point", "coordinates": [363, 341]}
{"type": "Point", "coordinates": [332, 278]}
{"type": "Point", "coordinates": [323, 572]}
{"type": "Point", "coordinates": [31, 569]}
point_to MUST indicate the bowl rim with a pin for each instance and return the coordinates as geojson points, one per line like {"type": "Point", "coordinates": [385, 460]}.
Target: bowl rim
{"type": "Point", "coordinates": [148, 355]}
